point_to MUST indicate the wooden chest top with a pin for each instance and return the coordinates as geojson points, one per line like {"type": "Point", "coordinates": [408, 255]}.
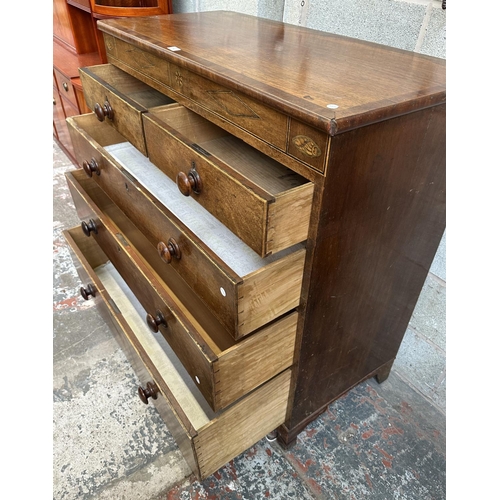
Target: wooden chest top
{"type": "Point", "coordinates": [297, 70]}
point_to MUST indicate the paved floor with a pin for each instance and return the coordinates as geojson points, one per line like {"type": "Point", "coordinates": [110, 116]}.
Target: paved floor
{"type": "Point", "coordinates": [377, 442]}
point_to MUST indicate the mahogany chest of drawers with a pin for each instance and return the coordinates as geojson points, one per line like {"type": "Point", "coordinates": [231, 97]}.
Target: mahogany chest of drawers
{"type": "Point", "coordinates": [260, 206]}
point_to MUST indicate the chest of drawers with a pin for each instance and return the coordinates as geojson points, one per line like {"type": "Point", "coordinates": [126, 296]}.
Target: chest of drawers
{"type": "Point", "coordinates": [260, 206]}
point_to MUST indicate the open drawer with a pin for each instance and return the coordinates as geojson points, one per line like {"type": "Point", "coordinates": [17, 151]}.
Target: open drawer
{"type": "Point", "coordinates": [243, 290]}
{"type": "Point", "coordinates": [120, 99]}
{"type": "Point", "coordinates": [207, 440]}
{"type": "Point", "coordinates": [223, 369]}
{"type": "Point", "coordinates": [264, 203]}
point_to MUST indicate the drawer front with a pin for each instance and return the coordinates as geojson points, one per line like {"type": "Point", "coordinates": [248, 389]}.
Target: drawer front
{"type": "Point", "coordinates": [257, 124]}
{"type": "Point", "coordinates": [223, 369]}
{"type": "Point", "coordinates": [241, 302]}
{"type": "Point", "coordinates": [207, 440]}
{"type": "Point", "coordinates": [119, 99]}
{"type": "Point", "coordinates": [248, 192]}
{"type": "Point", "coordinates": [87, 256]}
{"type": "Point", "coordinates": [65, 87]}
{"type": "Point", "coordinates": [233, 106]}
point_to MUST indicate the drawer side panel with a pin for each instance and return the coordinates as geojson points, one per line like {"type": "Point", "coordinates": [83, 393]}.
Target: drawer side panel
{"type": "Point", "coordinates": [242, 425]}
{"type": "Point", "coordinates": [277, 285]}
{"type": "Point", "coordinates": [256, 359]}
{"type": "Point", "coordinates": [289, 218]}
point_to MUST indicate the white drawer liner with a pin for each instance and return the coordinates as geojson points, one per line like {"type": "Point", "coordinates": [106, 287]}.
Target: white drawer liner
{"type": "Point", "coordinates": [157, 348]}
{"type": "Point", "coordinates": [231, 249]}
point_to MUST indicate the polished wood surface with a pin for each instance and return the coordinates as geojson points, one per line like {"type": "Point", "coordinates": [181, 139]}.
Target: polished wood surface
{"type": "Point", "coordinates": [269, 125]}
{"type": "Point", "coordinates": [73, 28]}
{"type": "Point", "coordinates": [61, 132]}
{"type": "Point", "coordinates": [294, 69]}
{"type": "Point", "coordinates": [380, 222]}
{"type": "Point", "coordinates": [378, 216]}
{"type": "Point", "coordinates": [78, 43]}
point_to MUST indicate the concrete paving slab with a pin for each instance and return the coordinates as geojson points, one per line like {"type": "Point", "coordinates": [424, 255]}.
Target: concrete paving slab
{"type": "Point", "coordinates": [429, 315]}
{"type": "Point", "coordinates": [438, 267]}
{"type": "Point", "coordinates": [421, 363]}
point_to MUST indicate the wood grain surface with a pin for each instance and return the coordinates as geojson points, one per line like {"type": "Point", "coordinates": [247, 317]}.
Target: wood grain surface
{"type": "Point", "coordinates": [297, 70]}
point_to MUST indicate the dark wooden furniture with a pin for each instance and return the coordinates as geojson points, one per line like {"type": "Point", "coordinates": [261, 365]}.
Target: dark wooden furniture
{"type": "Point", "coordinates": [78, 43]}
{"type": "Point", "coordinates": [325, 155]}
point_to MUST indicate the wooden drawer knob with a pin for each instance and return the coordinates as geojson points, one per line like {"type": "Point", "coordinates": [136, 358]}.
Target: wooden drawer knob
{"type": "Point", "coordinates": [89, 227]}
{"type": "Point", "coordinates": [88, 291]}
{"type": "Point", "coordinates": [65, 86]}
{"type": "Point", "coordinates": [151, 391]}
{"type": "Point", "coordinates": [189, 183]}
{"type": "Point", "coordinates": [90, 167]}
{"type": "Point", "coordinates": [154, 322]}
{"type": "Point", "coordinates": [103, 111]}
{"type": "Point", "coordinates": [169, 250]}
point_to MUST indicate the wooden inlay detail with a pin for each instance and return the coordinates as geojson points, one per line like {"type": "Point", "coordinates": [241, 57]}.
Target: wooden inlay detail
{"type": "Point", "coordinates": [179, 78]}
{"type": "Point", "coordinates": [142, 58]}
{"type": "Point", "coordinates": [232, 104]}
{"type": "Point", "coordinates": [110, 44]}
{"type": "Point", "coordinates": [306, 146]}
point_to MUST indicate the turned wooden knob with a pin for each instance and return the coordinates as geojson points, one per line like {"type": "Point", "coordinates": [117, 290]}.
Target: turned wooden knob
{"type": "Point", "coordinates": [88, 227]}
{"type": "Point", "coordinates": [90, 167]}
{"type": "Point", "coordinates": [103, 111]}
{"type": "Point", "coordinates": [151, 391]}
{"type": "Point", "coordinates": [155, 321]}
{"type": "Point", "coordinates": [189, 183]}
{"type": "Point", "coordinates": [169, 250]}
{"type": "Point", "coordinates": [88, 291]}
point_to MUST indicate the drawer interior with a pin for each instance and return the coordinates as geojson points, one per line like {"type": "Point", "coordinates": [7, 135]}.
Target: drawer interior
{"type": "Point", "coordinates": [236, 154]}
{"type": "Point", "coordinates": [157, 349]}
{"type": "Point", "coordinates": [129, 86]}
{"type": "Point", "coordinates": [213, 233]}
{"type": "Point", "coordinates": [154, 349]}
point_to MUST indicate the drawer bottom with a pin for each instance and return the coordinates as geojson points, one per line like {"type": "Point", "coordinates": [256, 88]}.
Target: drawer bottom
{"type": "Point", "coordinates": [207, 440]}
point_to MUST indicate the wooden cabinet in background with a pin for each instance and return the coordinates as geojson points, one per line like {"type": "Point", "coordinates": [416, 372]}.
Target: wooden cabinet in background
{"type": "Point", "coordinates": [78, 43]}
